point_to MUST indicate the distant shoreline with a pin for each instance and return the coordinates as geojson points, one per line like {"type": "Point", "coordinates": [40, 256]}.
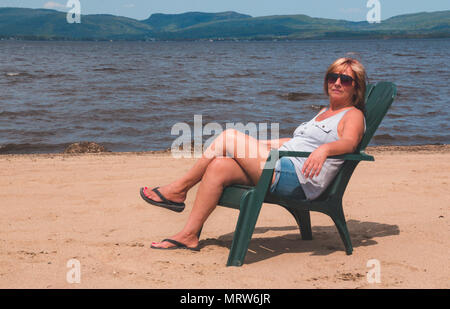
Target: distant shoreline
{"type": "Point", "coordinates": [46, 24]}
{"type": "Point", "coordinates": [355, 38]}
{"type": "Point", "coordinates": [425, 148]}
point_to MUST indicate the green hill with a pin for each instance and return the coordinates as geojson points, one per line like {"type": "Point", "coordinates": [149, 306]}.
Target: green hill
{"type": "Point", "coordinates": [435, 24]}
{"type": "Point", "coordinates": [171, 22]}
{"type": "Point", "coordinates": [269, 27]}
{"type": "Point", "coordinates": [49, 24]}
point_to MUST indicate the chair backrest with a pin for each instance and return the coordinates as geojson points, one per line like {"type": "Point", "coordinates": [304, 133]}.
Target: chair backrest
{"type": "Point", "coordinates": [379, 98]}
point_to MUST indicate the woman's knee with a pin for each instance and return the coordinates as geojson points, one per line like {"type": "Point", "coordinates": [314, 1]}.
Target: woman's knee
{"type": "Point", "coordinates": [230, 135]}
{"type": "Point", "coordinates": [222, 144]}
{"type": "Point", "coordinates": [219, 165]}
{"type": "Point", "coordinates": [236, 143]}
{"type": "Point", "coordinates": [222, 170]}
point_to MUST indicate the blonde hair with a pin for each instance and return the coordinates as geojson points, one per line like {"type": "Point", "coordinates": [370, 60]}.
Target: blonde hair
{"type": "Point", "coordinates": [360, 79]}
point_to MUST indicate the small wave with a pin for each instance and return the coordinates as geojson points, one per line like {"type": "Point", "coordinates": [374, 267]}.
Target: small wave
{"type": "Point", "coordinates": [131, 88]}
{"type": "Point", "coordinates": [203, 101]}
{"type": "Point", "coordinates": [384, 137]}
{"type": "Point", "coordinates": [53, 76]}
{"type": "Point", "coordinates": [28, 148]}
{"type": "Point", "coordinates": [192, 100]}
{"type": "Point", "coordinates": [394, 116]}
{"type": "Point", "coordinates": [403, 55]}
{"type": "Point", "coordinates": [289, 120]}
{"type": "Point", "coordinates": [222, 101]}
{"type": "Point", "coordinates": [301, 96]}
{"type": "Point", "coordinates": [268, 92]}
{"type": "Point", "coordinates": [315, 107]}
{"type": "Point", "coordinates": [127, 131]}
{"type": "Point", "coordinates": [241, 75]}
{"type": "Point", "coordinates": [107, 69]}
{"type": "Point", "coordinates": [28, 113]}
{"type": "Point", "coordinates": [259, 57]}
{"type": "Point", "coordinates": [408, 139]}
{"type": "Point", "coordinates": [444, 139]}
{"type": "Point", "coordinates": [20, 74]}
{"type": "Point", "coordinates": [18, 59]}
{"type": "Point", "coordinates": [432, 113]}
{"type": "Point", "coordinates": [14, 75]}
{"type": "Point", "coordinates": [31, 148]}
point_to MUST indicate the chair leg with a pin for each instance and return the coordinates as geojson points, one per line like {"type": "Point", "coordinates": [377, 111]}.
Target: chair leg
{"type": "Point", "coordinates": [337, 215]}
{"type": "Point", "coordinates": [303, 219]}
{"type": "Point", "coordinates": [249, 212]}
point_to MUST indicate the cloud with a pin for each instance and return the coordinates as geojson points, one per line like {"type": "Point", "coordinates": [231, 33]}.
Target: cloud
{"type": "Point", "coordinates": [54, 5]}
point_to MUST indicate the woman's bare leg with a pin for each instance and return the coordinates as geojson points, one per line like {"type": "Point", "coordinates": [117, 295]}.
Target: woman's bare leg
{"type": "Point", "coordinates": [248, 152]}
{"type": "Point", "coordinates": [220, 173]}
{"type": "Point", "coordinates": [215, 173]}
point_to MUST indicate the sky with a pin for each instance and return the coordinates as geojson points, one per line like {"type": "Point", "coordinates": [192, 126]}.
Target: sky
{"type": "Point", "coordinates": [354, 10]}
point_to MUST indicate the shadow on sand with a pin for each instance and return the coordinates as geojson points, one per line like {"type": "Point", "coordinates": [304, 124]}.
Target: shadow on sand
{"type": "Point", "coordinates": [325, 241]}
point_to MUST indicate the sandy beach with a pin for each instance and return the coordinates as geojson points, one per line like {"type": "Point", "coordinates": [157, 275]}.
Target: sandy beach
{"type": "Point", "coordinates": [58, 207]}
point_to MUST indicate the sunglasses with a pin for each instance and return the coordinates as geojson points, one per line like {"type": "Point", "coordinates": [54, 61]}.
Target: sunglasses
{"type": "Point", "coordinates": [345, 79]}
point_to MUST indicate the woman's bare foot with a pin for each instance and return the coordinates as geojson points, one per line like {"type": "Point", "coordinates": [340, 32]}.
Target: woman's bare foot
{"type": "Point", "coordinates": [170, 192]}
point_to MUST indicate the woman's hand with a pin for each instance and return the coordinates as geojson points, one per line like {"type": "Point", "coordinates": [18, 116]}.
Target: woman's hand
{"type": "Point", "coordinates": [350, 134]}
{"type": "Point", "coordinates": [313, 165]}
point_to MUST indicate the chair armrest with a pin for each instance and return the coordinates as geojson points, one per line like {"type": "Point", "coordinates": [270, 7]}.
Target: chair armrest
{"type": "Point", "coordinates": [266, 177]}
{"type": "Point", "coordinates": [361, 156]}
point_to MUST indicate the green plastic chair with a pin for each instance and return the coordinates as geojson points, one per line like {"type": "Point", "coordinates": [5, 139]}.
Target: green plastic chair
{"type": "Point", "coordinates": [248, 200]}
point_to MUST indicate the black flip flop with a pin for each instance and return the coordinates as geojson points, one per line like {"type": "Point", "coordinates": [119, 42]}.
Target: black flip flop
{"type": "Point", "coordinates": [178, 245]}
{"type": "Point", "coordinates": [174, 206]}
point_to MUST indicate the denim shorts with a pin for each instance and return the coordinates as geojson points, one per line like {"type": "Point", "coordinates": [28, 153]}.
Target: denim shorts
{"type": "Point", "coordinates": [286, 182]}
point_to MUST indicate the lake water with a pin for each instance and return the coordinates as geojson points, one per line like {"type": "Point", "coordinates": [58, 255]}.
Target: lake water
{"type": "Point", "coordinates": [128, 96]}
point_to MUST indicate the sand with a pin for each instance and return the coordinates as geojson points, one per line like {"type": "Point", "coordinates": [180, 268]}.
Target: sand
{"type": "Point", "coordinates": [58, 207]}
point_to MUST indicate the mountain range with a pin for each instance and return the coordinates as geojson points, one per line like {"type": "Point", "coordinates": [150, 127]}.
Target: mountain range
{"type": "Point", "coordinates": [45, 24]}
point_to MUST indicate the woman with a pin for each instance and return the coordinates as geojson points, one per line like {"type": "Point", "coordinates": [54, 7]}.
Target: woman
{"type": "Point", "coordinates": [337, 129]}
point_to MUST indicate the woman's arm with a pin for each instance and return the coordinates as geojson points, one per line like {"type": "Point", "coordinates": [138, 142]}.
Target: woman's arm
{"type": "Point", "coordinates": [352, 133]}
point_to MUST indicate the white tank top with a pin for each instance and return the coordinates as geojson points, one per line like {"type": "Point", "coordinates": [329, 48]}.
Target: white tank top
{"type": "Point", "coordinates": [307, 137]}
